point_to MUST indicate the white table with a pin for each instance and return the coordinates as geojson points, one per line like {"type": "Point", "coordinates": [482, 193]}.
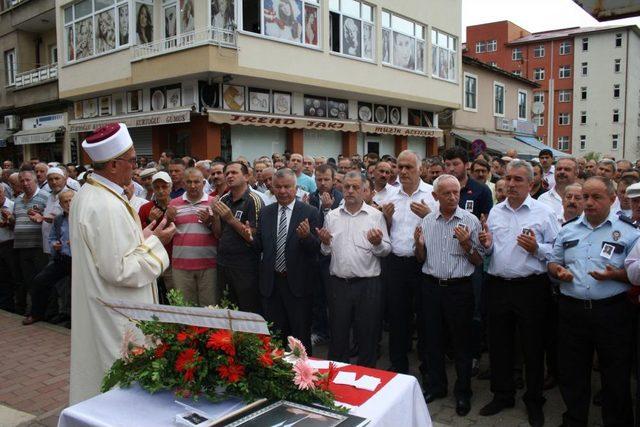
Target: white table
{"type": "Point", "coordinates": [398, 403]}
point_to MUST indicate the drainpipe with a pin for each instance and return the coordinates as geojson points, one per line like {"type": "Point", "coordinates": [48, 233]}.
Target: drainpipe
{"type": "Point", "coordinates": [626, 96]}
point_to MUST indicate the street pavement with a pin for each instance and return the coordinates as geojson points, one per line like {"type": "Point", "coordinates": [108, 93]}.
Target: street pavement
{"type": "Point", "coordinates": [34, 382]}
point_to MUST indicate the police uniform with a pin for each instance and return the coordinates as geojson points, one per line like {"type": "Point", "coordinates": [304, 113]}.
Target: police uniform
{"type": "Point", "coordinates": [595, 314]}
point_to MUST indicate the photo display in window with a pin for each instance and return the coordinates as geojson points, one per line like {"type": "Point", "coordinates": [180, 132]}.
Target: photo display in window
{"type": "Point", "coordinates": [351, 28]}
{"type": "Point", "coordinates": [170, 21]}
{"type": "Point", "coordinates": [259, 100]}
{"type": "Point", "coordinates": [311, 25]}
{"type": "Point", "coordinates": [365, 111]}
{"type": "Point", "coordinates": [314, 106]}
{"type": "Point", "coordinates": [403, 51]}
{"type": "Point", "coordinates": [187, 23]}
{"type": "Point", "coordinates": [123, 24]}
{"type": "Point", "coordinates": [144, 23]}
{"type": "Point", "coordinates": [283, 19]}
{"type": "Point", "coordinates": [84, 38]}
{"type": "Point", "coordinates": [105, 31]}
{"type": "Point", "coordinates": [281, 102]}
{"type": "Point", "coordinates": [338, 108]}
{"type": "Point", "coordinates": [223, 14]}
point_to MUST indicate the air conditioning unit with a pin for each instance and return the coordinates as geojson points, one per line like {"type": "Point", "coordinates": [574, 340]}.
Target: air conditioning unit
{"type": "Point", "coordinates": [12, 122]}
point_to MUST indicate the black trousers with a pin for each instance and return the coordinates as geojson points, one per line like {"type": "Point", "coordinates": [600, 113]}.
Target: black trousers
{"type": "Point", "coordinates": [607, 328]}
{"type": "Point", "coordinates": [242, 283]}
{"type": "Point", "coordinates": [404, 278]}
{"type": "Point", "coordinates": [320, 322]}
{"type": "Point", "coordinates": [447, 308]}
{"type": "Point", "coordinates": [517, 304]}
{"type": "Point", "coordinates": [357, 303]}
{"type": "Point", "coordinates": [291, 315]}
{"type": "Point", "coordinates": [7, 282]}
{"type": "Point", "coordinates": [29, 261]}
{"type": "Point", "coordinates": [45, 284]}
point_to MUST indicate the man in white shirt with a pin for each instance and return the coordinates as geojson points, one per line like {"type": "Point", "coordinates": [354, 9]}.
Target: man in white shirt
{"type": "Point", "coordinates": [381, 182]}
{"type": "Point", "coordinates": [548, 170]}
{"type": "Point", "coordinates": [404, 209]}
{"type": "Point", "coordinates": [565, 174]}
{"type": "Point", "coordinates": [7, 261]}
{"type": "Point", "coordinates": [355, 235]}
{"type": "Point", "coordinates": [519, 236]}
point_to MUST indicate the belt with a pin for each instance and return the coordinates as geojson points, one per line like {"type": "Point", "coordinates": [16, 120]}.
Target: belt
{"type": "Point", "coordinates": [449, 282]}
{"type": "Point", "coordinates": [524, 279]}
{"type": "Point", "coordinates": [349, 280]}
{"type": "Point", "coordinates": [589, 304]}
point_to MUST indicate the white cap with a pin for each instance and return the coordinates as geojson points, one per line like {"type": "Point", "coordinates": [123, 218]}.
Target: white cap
{"type": "Point", "coordinates": [148, 172]}
{"type": "Point", "coordinates": [633, 190]}
{"type": "Point", "coordinates": [55, 170]}
{"type": "Point", "coordinates": [162, 176]}
{"type": "Point", "coordinates": [108, 142]}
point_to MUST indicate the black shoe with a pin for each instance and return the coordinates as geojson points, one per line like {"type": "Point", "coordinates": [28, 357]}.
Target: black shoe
{"type": "Point", "coordinates": [463, 406]}
{"type": "Point", "coordinates": [495, 406]}
{"type": "Point", "coordinates": [536, 416]}
{"type": "Point", "coordinates": [430, 397]}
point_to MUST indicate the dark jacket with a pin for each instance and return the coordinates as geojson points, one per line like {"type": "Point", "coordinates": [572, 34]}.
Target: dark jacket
{"type": "Point", "coordinates": [314, 200]}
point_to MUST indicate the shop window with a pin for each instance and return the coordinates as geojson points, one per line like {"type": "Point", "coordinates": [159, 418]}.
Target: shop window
{"type": "Point", "coordinates": [352, 28]}
{"type": "Point", "coordinates": [288, 20]}
{"type": "Point", "coordinates": [404, 43]}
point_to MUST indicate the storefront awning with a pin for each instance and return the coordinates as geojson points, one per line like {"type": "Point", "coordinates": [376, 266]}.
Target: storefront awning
{"type": "Point", "coordinates": [39, 135]}
{"type": "Point", "coordinates": [499, 143]}
{"type": "Point", "coordinates": [154, 118]}
{"type": "Point", "coordinates": [270, 120]}
{"type": "Point", "coordinates": [540, 146]}
{"type": "Point", "coordinates": [400, 130]}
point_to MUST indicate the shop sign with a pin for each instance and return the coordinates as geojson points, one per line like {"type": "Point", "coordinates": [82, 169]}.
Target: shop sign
{"type": "Point", "coordinates": [50, 121]}
{"type": "Point", "coordinates": [234, 118]}
{"type": "Point", "coordinates": [134, 120]}
{"type": "Point", "coordinates": [400, 130]}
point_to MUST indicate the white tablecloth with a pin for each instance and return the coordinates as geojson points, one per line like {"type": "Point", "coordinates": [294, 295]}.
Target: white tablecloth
{"type": "Point", "coordinates": [398, 403]}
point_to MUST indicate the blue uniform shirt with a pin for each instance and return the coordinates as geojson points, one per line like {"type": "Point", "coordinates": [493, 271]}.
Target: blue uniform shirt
{"type": "Point", "coordinates": [579, 248]}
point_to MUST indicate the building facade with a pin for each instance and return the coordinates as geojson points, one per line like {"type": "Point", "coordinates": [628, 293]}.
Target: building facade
{"type": "Point", "coordinates": [228, 78]}
{"type": "Point", "coordinates": [35, 121]}
{"type": "Point", "coordinates": [546, 58]}
{"type": "Point", "coordinates": [606, 97]}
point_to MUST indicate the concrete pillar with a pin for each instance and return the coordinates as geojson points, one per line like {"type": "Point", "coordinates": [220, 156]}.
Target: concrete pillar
{"type": "Point", "coordinates": [401, 144]}
{"type": "Point", "coordinates": [295, 141]}
{"type": "Point", "coordinates": [432, 146]}
{"type": "Point", "coordinates": [206, 138]}
{"type": "Point", "coordinates": [349, 143]}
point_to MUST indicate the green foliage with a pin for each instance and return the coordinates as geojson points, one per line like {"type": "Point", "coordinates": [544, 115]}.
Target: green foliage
{"type": "Point", "coordinates": [592, 155]}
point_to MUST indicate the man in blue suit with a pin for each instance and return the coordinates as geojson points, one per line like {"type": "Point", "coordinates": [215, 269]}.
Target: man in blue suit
{"type": "Point", "coordinates": [287, 238]}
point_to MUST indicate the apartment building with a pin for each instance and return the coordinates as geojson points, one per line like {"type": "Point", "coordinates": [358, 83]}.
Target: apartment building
{"type": "Point", "coordinates": [34, 120]}
{"type": "Point", "coordinates": [606, 96]}
{"type": "Point", "coordinates": [249, 77]}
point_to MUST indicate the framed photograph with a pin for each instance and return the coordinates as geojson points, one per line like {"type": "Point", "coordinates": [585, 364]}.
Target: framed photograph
{"type": "Point", "coordinates": [105, 31]}
{"type": "Point", "coordinates": [170, 21]}
{"type": "Point", "coordinates": [105, 105]}
{"type": "Point", "coordinates": [282, 102]}
{"type": "Point", "coordinates": [144, 22]}
{"type": "Point", "coordinates": [174, 98]}
{"type": "Point", "coordinates": [427, 119]}
{"type": "Point", "coordinates": [351, 36]}
{"type": "Point", "coordinates": [365, 111]}
{"type": "Point", "coordinates": [283, 19]}
{"type": "Point", "coordinates": [186, 16]}
{"type": "Point", "coordinates": [233, 97]}
{"type": "Point", "coordinates": [283, 413]}
{"type": "Point", "coordinates": [315, 106]}
{"type": "Point", "coordinates": [395, 115]}
{"type": "Point", "coordinates": [134, 101]}
{"type": "Point", "coordinates": [259, 100]}
{"type": "Point", "coordinates": [77, 109]}
{"type": "Point", "coordinates": [311, 25]}
{"type": "Point", "coordinates": [84, 38]}
{"type": "Point", "coordinates": [338, 108]}
{"type": "Point", "coordinates": [386, 46]}
{"type": "Point", "coordinates": [158, 98]}
{"type": "Point", "coordinates": [367, 41]}
{"type": "Point", "coordinates": [380, 113]}
{"type": "Point", "coordinates": [415, 117]}
{"type": "Point", "coordinates": [209, 95]}
{"type": "Point", "coordinates": [223, 14]}
{"type": "Point", "coordinates": [90, 107]}
{"type": "Point", "coordinates": [403, 51]}
{"type": "Point", "coordinates": [123, 24]}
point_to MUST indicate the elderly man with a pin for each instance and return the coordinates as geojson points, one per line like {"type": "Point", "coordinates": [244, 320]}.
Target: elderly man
{"type": "Point", "coordinates": [633, 194]}
{"type": "Point", "coordinates": [566, 170]}
{"type": "Point", "coordinates": [305, 182]}
{"type": "Point", "coordinates": [572, 203]}
{"type": "Point", "coordinates": [14, 184]}
{"type": "Point", "coordinates": [591, 167]}
{"type": "Point", "coordinates": [113, 258]}
{"type": "Point", "coordinates": [193, 259]}
{"type": "Point", "coordinates": [589, 259]}
{"type": "Point", "coordinates": [344, 165]}
{"type": "Point", "coordinates": [308, 166]}
{"type": "Point", "coordinates": [7, 260]}
{"type": "Point", "coordinates": [41, 170]}
{"type": "Point", "coordinates": [447, 243]}
{"type": "Point", "coordinates": [58, 268]}
{"type": "Point", "coordinates": [258, 168]}
{"type": "Point", "coordinates": [57, 182]}
{"type": "Point", "coordinates": [518, 235]}
{"type": "Point", "coordinates": [355, 235]}
{"type": "Point", "coordinates": [145, 179]}
{"type": "Point", "coordinates": [404, 209]}
{"type": "Point", "coordinates": [286, 237]}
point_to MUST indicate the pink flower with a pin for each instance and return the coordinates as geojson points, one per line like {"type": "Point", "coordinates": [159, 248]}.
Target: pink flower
{"type": "Point", "coordinates": [297, 348]}
{"type": "Point", "coordinates": [128, 343]}
{"type": "Point", "coordinates": [304, 375]}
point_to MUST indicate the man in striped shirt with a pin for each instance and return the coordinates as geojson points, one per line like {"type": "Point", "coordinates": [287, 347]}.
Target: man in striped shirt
{"type": "Point", "coordinates": [194, 244]}
{"type": "Point", "coordinates": [448, 244]}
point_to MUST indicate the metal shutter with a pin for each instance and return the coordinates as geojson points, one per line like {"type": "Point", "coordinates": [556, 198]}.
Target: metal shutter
{"type": "Point", "coordinates": [142, 140]}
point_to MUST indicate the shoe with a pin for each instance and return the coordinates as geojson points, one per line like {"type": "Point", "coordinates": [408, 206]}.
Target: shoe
{"type": "Point", "coordinates": [549, 382]}
{"type": "Point", "coordinates": [30, 320]}
{"type": "Point", "coordinates": [597, 398]}
{"type": "Point", "coordinates": [495, 406]}
{"type": "Point", "coordinates": [475, 367]}
{"type": "Point", "coordinates": [535, 415]}
{"type": "Point", "coordinates": [463, 406]}
{"type": "Point", "coordinates": [430, 397]}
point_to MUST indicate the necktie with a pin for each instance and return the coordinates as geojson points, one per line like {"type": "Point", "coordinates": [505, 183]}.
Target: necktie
{"type": "Point", "coordinates": [281, 242]}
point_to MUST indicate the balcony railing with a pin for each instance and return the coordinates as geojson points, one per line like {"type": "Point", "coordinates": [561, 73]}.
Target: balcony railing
{"type": "Point", "coordinates": [38, 76]}
{"type": "Point", "coordinates": [210, 35]}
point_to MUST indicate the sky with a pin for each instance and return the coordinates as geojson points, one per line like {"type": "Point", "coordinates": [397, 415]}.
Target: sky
{"type": "Point", "coordinates": [532, 15]}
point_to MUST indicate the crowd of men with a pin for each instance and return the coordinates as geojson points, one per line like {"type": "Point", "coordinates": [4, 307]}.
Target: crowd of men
{"type": "Point", "coordinates": [534, 260]}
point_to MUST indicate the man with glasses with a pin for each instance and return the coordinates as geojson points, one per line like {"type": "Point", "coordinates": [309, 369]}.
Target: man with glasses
{"type": "Point", "coordinates": [113, 258]}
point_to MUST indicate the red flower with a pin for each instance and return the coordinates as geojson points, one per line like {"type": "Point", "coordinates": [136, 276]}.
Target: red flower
{"type": "Point", "coordinates": [186, 359]}
{"type": "Point", "coordinates": [266, 341]}
{"type": "Point", "coordinates": [182, 336]}
{"type": "Point", "coordinates": [161, 350]}
{"type": "Point", "coordinates": [190, 333]}
{"type": "Point", "coordinates": [188, 374]}
{"type": "Point", "coordinates": [265, 359]}
{"type": "Point", "coordinates": [231, 372]}
{"type": "Point", "coordinates": [222, 339]}
{"type": "Point", "coordinates": [326, 379]}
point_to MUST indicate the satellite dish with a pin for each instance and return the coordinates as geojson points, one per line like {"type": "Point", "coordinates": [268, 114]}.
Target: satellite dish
{"type": "Point", "coordinates": [537, 108]}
